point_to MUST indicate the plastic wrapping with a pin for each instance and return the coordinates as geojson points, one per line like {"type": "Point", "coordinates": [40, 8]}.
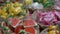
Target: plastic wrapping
{"type": "Point", "coordinates": [57, 5]}
{"type": "Point", "coordinates": [47, 17]}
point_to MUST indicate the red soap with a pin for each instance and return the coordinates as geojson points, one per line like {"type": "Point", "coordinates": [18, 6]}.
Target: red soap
{"type": "Point", "coordinates": [18, 29]}
{"type": "Point", "coordinates": [15, 21]}
{"type": "Point", "coordinates": [31, 30]}
{"type": "Point", "coordinates": [29, 23]}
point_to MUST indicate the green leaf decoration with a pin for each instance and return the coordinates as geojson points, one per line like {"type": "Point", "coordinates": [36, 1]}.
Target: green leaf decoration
{"type": "Point", "coordinates": [49, 3]}
{"type": "Point", "coordinates": [23, 31]}
{"type": "Point", "coordinates": [11, 16]}
{"type": "Point", "coordinates": [34, 0]}
{"type": "Point", "coordinates": [5, 28]}
{"type": "Point", "coordinates": [24, 14]}
{"type": "Point", "coordinates": [40, 1]}
{"type": "Point", "coordinates": [20, 13]}
{"type": "Point", "coordinates": [46, 3]}
{"type": "Point", "coordinates": [7, 8]}
{"type": "Point", "coordinates": [7, 33]}
{"type": "Point", "coordinates": [23, 7]}
{"type": "Point", "coordinates": [14, 6]}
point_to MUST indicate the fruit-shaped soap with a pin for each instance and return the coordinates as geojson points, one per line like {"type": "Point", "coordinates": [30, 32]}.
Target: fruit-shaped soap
{"type": "Point", "coordinates": [14, 21]}
{"type": "Point", "coordinates": [18, 29]}
{"type": "Point", "coordinates": [29, 23]}
{"type": "Point", "coordinates": [31, 30]}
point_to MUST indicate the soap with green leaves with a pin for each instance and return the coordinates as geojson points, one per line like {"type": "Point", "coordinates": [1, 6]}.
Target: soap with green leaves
{"type": "Point", "coordinates": [23, 32]}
